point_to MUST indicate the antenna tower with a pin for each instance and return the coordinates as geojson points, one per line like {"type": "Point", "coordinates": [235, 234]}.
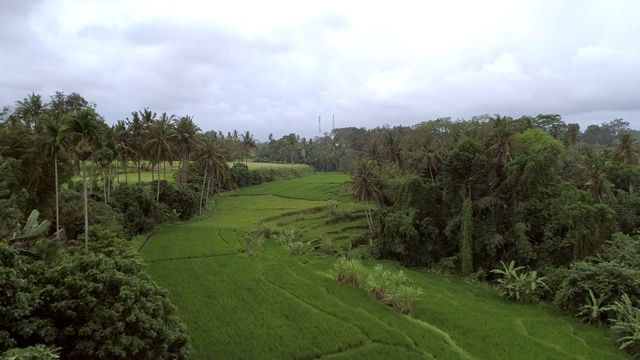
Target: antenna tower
{"type": "Point", "coordinates": [333, 123]}
{"type": "Point", "coordinates": [319, 126]}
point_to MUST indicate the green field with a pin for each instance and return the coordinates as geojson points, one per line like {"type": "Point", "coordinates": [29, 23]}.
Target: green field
{"type": "Point", "coordinates": [146, 176]}
{"type": "Point", "coordinates": [277, 306]}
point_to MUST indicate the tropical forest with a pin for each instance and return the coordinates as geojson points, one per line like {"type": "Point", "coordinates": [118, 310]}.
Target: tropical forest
{"type": "Point", "coordinates": [496, 236]}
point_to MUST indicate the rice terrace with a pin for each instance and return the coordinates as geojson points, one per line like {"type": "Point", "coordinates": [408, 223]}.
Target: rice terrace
{"type": "Point", "coordinates": [243, 295]}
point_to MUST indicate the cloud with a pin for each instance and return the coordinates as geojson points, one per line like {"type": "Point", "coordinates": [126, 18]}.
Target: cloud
{"type": "Point", "coordinates": [274, 67]}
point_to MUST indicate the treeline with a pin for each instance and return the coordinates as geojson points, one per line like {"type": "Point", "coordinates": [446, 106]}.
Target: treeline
{"type": "Point", "coordinates": [90, 296]}
{"type": "Point", "coordinates": [468, 196]}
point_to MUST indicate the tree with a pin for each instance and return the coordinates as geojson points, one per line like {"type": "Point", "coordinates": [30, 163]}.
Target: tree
{"type": "Point", "coordinates": [365, 187]}
{"type": "Point", "coordinates": [160, 146]}
{"type": "Point", "coordinates": [55, 142]}
{"type": "Point", "coordinates": [85, 131]}
{"type": "Point", "coordinates": [123, 140]}
{"type": "Point", "coordinates": [573, 134]}
{"type": "Point", "coordinates": [186, 142]}
{"type": "Point", "coordinates": [248, 144]}
{"type": "Point", "coordinates": [292, 145]}
{"type": "Point", "coordinates": [213, 157]}
{"type": "Point", "coordinates": [30, 109]}
{"type": "Point", "coordinates": [626, 149]}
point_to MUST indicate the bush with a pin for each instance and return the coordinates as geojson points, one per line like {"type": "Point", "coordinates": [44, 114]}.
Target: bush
{"type": "Point", "coordinates": [298, 248]}
{"type": "Point", "coordinates": [350, 272]}
{"type": "Point", "coordinates": [38, 352]}
{"type": "Point", "coordinates": [183, 200]}
{"type": "Point", "coordinates": [403, 298]}
{"type": "Point", "coordinates": [626, 325]}
{"type": "Point", "coordinates": [613, 273]}
{"type": "Point", "coordinates": [141, 213]}
{"type": "Point", "coordinates": [517, 286]}
{"type": "Point", "coordinates": [381, 283]}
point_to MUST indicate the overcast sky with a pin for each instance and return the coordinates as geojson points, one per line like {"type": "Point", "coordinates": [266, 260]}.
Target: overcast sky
{"type": "Point", "coordinates": [275, 66]}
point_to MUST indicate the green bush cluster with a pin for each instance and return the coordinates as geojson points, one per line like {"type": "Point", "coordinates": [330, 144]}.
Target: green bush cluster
{"type": "Point", "coordinates": [387, 287]}
{"type": "Point", "coordinates": [519, 286]}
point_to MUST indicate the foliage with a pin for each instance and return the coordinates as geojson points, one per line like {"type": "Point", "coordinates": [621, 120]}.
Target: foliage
{"type": "Point", "coordinates": [37, 352]}
{"type": "Point", "coordinates": [626, 324]}
{"type": "Point", "coordinates": [298, 247]}
{"type": "Point", "coordinates": [516, 286]}
{"type": "Point", "coordinates": [350, 272]}
{"type": "Point", "coordinates": [183, 200]}
{"type": "Point", "coordinates": [138, 207]}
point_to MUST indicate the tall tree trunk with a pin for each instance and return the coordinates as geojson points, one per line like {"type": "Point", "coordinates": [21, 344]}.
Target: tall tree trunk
{"type": "Point", "coordinates": [104, 186]}
{"type": "Point", "coordinates": [86, 208]}
{"type": "Point", "coordinates": [55, 166]}
{"type": "Point", "coordinates": [93, 174]}
{"type": "Point", "coordinates": [139, 175]}
{"type": "Point", "coordinates": [204, 179]}
{"type": "Point", "coordinates": [158, 195]}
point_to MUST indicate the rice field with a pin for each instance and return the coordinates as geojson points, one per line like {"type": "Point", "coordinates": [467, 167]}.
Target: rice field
{"type": "Point", "coordinates": [277, 306]}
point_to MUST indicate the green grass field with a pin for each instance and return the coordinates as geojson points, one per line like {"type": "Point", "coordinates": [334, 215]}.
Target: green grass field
{"type": "Point", "coordinates": [276, 306]}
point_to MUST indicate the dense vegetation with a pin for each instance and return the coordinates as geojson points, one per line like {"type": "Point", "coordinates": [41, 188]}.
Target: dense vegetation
{"type": "Point", "coordinates": [544, 211]}
{"type": "Point", "coordinates": [252, 298]}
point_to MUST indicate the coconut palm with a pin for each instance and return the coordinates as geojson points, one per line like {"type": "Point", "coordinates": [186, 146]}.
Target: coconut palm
{"type": "Point", "coordinates": [160, 146]}
{"type": "Point", "coordinates": [626, 149]}
{"type": "Point", "coordinates": [213, 157]}
{"type": "Point", "coordinates": [292, 145]}
{"type": "Point", "coordinates": [123, 146]}
{"type": "Point", "coordinates": [55, 142]}
{"type": "Point", "coordinates": [30, 109]}
{"type": "Point", "coordinates": [392, 147]}
{"type": "Point", "coordinates": [248, 144]}
{"type": "Point", "coordinates": [85, 131]}
{"type": "Point", "coordinates": [595, 166]}
{"type": "Point", "coordinates": [186, 142]}
{"type": "Point", "coordinates": [364, 186]}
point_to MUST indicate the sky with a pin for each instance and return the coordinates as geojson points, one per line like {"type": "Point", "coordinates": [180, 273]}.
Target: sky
{"type": "Point", "coordinates": [275, 66]}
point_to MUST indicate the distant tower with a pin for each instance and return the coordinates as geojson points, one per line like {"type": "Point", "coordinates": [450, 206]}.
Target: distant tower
{"type": "Point", "coordinates": [319, 126]}
{"type": "Point", "coordinates": [333, 123]}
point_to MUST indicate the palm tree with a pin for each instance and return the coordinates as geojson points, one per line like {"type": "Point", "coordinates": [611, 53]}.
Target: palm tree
{"type": "Point", "coordinates": [626, 148]}
{"type": "Point", "coordinates": [364, 186]}
{"type": "Point", "coordinates": [55, 142]}
{"type": "Point", "coordinates": [500, 139]}
{"type": "Point", "coordinates": [596, 169]}
{"type": "Point", "coordinates": [160, 147]}
{"type": "Point", "coordinates": [292, 145]}
{"type": "Point", "coordinates": [573, 134]}
{"type": "Point", "coordinates": [84, 128]}
{"type": "Point", "coordinates": [137, 131]}
{"type": "Point", "coordinates": [187, 142]}
{"type": "Point", "coordinates": [30, 109]}
{"type": "Point", "coordinates": [213, 157]}
{"type": "Point", "coordinates": [123, 147]}
{"type": "Point", "coordinates": [248, 144]}
{"type": "Point", "coordinates": [392, 147]}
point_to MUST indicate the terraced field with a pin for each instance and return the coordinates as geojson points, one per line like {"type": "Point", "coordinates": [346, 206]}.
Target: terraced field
{"type": "Point", "coordinates": [276, 306]}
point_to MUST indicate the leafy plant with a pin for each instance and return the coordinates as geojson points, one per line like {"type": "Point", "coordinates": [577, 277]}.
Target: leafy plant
{"type": "Point", "coordinates": [298, 247]}
{"type": "Point", "coordinates": [37, 352]}
{"type": "Point", "coordinates": [381, 283]}
{"type": "Point", "coordinates": [593, 311]}
{"type": "Point", "coordinates": [350, 272]}
{"type": "Point", "coordinates": [518, 286]}
{"type": "Point", "coordinates": [626, 325]}
{"type": "Point", "coordinates": [403, 298]}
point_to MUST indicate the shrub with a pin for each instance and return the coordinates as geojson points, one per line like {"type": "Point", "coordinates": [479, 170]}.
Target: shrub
{"type": "Point", "coordinates": [350, 272]}
{"type": "Point", "coordinates": [381, 283]}
{"type": "Point", "coordinates": [626, 325]}
{"type": "Point", "coordinates": [518, 286]}
{"type": "Point", "coordinates": [403, 298]}
{"type": "Point", "coordinates": [37, 352]}
{"type": "Point", "coordinates": [326, 246]}
{"type": "Point", "coordinates": [298, 248]}
{"type": "Point", "coordinates": [140, 211]}
{"type": "Point", "coordinates": [286, 237]}
{"type": "Point", "coordinates": [614, 273]}
{"type": "Point", "coordinates": [183, 200]}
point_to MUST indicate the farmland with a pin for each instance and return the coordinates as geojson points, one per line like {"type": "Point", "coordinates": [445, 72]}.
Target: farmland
{"type": "Point", "coordinates": [276, 306]}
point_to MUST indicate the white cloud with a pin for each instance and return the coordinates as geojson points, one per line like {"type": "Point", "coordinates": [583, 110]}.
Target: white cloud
{"type": "Point", "coordinates": [275, 66]}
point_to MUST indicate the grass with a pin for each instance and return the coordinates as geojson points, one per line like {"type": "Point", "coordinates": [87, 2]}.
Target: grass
{"type": "Point", "coordinates": [277, 306]}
